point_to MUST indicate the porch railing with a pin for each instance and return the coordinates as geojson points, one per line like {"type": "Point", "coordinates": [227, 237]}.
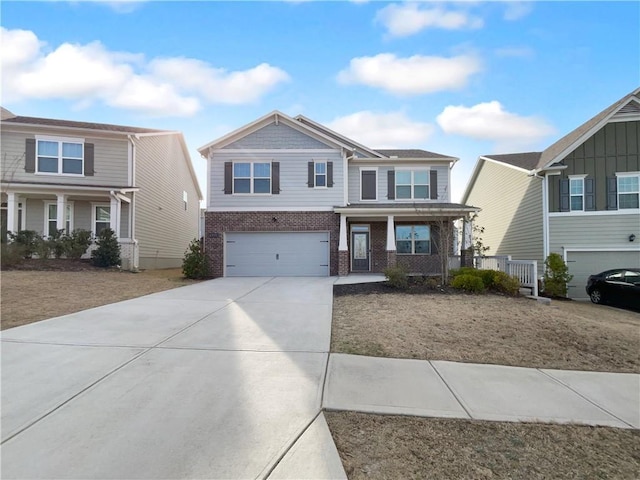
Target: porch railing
{"type": "Point", "coordinates": [526, 271]}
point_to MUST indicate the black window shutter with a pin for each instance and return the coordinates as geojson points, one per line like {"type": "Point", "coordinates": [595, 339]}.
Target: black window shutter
{"type": "Point", "coordinates": [612, 193]}
{"type": "Point", "coordinates": [433, 185]}
{"type": "Point", "coordinates": [391, 185]}
{"type": "Point", "coordinates": [30, 155]}
{"type": "Point", "coordinates": [589, 194]}
{"type": "Point", "coordinates": [228, 178]}
{"type": "Point", "coordinates": [275, 178]}
{"type": "Point", "coordinates": [310, 175]}
{"type": "Point", "coordinates": [564, 194]}
{"type": "Point", "coordinates": [329, 174]}
{"type": "Point", "coordinates": [89, 159]}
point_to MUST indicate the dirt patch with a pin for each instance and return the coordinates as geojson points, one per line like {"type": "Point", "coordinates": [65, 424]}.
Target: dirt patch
{"type": "Point", "coordinates": [389, 447]}
{"type": "Point", "coordinates": [486, 329]}
{"type": "Point", "coordinates": [31, 294]}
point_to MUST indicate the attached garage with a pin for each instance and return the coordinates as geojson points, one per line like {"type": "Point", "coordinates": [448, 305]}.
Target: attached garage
{"type": "Point", "coordinates": [270, 254]}
{"type": "Point", "coordinates": [584, 263]}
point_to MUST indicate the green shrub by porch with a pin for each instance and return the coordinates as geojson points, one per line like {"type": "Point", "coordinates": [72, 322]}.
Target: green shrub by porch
{"type": "Point", "coordinates": [108, 252]}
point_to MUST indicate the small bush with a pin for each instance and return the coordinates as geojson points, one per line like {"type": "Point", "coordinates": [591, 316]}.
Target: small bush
{"type": "Point", "coordinates": [28, 240]}
{"type": "Point", "coordinates": [11, 254]}
{"type": "Point", "coordinates": [468, 283]}
{"type": "Point", "coordinates": [397, 276]}
{"type": "Point", "coordinates": [76, 243]}
{"type": "Point", "coordinates": [504, 283]}
{"type": "Point", "coordinates": [462, 271]}
{"type": "Point", "coordinates": [56, 243]}
{"type": "Point", "coordinates": [194, 264]}
{"type": "Point", "coordinates": [42, 248]}
{"type": "Point", "coordinates": [432, 282]}
{"type": "Point", "coordinates": [108, 252]}
{"type": "Point", "coordinates": [556, 276]}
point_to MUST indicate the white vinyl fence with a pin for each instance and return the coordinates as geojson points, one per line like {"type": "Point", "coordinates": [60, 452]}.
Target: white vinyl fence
{"type": "Point", "coordinates": [524, 270]}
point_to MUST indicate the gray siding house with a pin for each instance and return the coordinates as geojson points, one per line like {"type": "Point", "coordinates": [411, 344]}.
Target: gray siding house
{"type": "Point", "coordinates": [288, 196]}
{"type": "Point", "coordinates": [578, 198]}
{"type": "Point", "coordinates": [59, 174]}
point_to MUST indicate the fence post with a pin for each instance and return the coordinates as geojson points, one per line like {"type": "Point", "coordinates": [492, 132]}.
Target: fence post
{"type": "Point", "coordinates": [535, 278]}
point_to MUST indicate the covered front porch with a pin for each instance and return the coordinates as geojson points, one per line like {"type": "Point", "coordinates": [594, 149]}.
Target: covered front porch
{"type": "Point", "coordinates": [415, 236]}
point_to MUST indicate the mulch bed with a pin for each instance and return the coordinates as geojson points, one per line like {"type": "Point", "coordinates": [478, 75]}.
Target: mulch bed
{"type": "Point", "coordinates": [56, 264]}
{"type": "Point", "coordinates": [415, 287]}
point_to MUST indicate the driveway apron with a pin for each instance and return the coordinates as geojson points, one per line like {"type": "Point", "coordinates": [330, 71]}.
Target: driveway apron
{"type": "Point", "coordinates": [214, 380]}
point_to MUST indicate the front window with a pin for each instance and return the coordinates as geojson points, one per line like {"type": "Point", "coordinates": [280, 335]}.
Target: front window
{"type": "Point", "coordinates": [576, 189]}
{"type": "Point", "coordinates": [628, 192]}
{"type": "Point", "coordinates": [412, 184]}
{"type": "Point", "coordinates": [51, 225]}
{"type": "Point", "coordinates": [320, 170]}
{"type": "Point", "coordinates": [413, 239]}
{"type": "Point", "coordinates": [60, 157]}
{"type": "Point", "coordinates": [102, 218]}
{"type": "Point", "coordinates": [252, 178]}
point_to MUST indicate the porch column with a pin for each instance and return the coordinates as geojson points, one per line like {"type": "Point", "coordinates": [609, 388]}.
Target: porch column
{"type": "Point", "coordinates": [61, 212]}
{"type": "Point", "coordinates": [114, 215]}
{"type": "Point", "coordinates": [391, 234]}
{"type": "Point", "coordinates": [12, 212]}
{"type": "Point", "coordinates": [342, 244]}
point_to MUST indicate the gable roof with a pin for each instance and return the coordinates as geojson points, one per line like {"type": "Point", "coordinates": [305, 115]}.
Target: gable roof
{"type": "Point", "coordinates": [412, 153]}
{"type": "Point", "coordinates": [570, 141]}
{"type": "Point", "coordinates": [527, 161]}
{"type": "Point", "coordinates": [53, 122]}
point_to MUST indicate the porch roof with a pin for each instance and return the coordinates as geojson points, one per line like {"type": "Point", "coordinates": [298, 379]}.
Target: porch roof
{"type": "Point", "coordinates": [408, 209]}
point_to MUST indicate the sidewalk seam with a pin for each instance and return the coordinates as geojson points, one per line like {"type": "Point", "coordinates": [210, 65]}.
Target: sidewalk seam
{"type": "Point", "coordinates": [455, 395]}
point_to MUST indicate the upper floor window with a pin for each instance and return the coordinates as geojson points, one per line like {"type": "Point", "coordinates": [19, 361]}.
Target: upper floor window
{"type": "Point", "coordinates": [628, 191]}
{"type": "Point", "coordinates": [320, 174]}
{"type": "Point", "coordinates": [412, 184]}
{"type": "Point", "coordinates": [65, 156]}
{"type": "Point", "coordinates": [576, 192]}
{"type": "Point", "coordinates": [413, 239]}
{"type": "Point", "coordinates": [252, 178]}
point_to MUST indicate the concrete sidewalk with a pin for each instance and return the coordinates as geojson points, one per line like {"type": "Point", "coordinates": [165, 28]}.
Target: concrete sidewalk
{"type": "Point", "coordinates": [481, 392]}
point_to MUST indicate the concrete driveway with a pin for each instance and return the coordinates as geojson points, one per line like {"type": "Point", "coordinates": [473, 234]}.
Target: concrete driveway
{"type": "Point", "coordinates": [214, 380]}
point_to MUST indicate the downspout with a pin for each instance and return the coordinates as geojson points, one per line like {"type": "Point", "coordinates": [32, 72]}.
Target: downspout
{"type": "Point", "coordinates": [132, 208]}
{"type": "Point", "coordinates": [545, 212]}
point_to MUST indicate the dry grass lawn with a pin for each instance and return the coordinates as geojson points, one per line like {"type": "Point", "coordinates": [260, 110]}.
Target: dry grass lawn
{"type": "Point", "coordinates": [30, 295]}
{"type": "Point", "coordinates": [487, 329]}
{"type": "Point", "coordinates": [392, 447]}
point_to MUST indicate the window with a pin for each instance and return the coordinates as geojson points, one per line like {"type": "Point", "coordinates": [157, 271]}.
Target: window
{"type": "Point", "coordinates": [102, 218]}
{"type": "Point", "coordinates": [320, 174]}
{"type": "Point", "coordinates": [413, 239]}
{"type": "Point", "coordinates": [51, 218]}
{"type": "Point", "coordinates": [628, 191]}
{"type": "Point", "coordinates": [412, 184]}
{"type": "Point", "coordinates": [368, 184]}
{"type": "Point", "coordinates": [252, 178]}
{"type": "Point", "coordinates": [184, 199]}
{"type": "Point", "coordinates": [576, 192]}
{"type": "Point", "coordinates": [60, 157]}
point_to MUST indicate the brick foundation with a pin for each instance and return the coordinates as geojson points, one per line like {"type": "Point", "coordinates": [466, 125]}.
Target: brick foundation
{"type": "Point", "coordinates": [343, 263]}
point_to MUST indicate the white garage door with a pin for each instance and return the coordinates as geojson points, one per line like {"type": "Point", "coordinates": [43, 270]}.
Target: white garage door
{"type": "Point", "coordinates": [284, 254]}
{"type": "Point", "coordinates": [583, 264]}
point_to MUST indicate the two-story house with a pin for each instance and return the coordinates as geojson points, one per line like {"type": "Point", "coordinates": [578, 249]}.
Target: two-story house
{"type": "Point", "coordinates": [579, 197]}
{"type": "Point", "coordinates": [60, 174]}
{"type": "Point", "coordinates": [288, 196]}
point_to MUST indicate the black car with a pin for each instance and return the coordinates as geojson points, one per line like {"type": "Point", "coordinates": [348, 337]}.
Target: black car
{"type": "Point", "coordinates": [617, 287]}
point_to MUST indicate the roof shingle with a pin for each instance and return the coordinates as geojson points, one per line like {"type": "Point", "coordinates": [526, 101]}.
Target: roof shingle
{"type": "Point", "coordinates": [84, 125]}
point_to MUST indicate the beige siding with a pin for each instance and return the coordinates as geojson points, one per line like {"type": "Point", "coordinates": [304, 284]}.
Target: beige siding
{"type": "Point", "coordinates": [163, 227]}
{"type": "Point", "coordinates": [511, 215]}
{"type": "Point", "coordinates": [594, 231]}
{"type": "Point", "coordinates": [111, 159]}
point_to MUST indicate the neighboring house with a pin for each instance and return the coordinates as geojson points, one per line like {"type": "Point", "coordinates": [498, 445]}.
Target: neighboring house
{"type": "Point", "coordinates": [578, 198]}
{"type": "Point", "coordinates": [288, 196]}
{"type": "Point", "coordinates": [59, 174]}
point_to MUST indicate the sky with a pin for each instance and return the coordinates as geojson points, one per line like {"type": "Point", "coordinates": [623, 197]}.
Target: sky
{"type": "Point", "coordinates": [463, 79]}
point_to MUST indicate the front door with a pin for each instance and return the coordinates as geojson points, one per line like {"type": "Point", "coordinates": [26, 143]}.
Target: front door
{"type": "Point", "coordinates": [360, 250]}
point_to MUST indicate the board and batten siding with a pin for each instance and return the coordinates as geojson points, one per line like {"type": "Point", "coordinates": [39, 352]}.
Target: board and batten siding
{"type": "Point", "coordinates": [294, 191]}
{"type": "Point", "coordinates": [111, 159]}
{"type": "Point", "coordinates": [163, 227]}
{"type": "Point", "coordinates": [278, 136]}
{"type": "Point", "coordinates": [511, 203]}
{"type": "Point", "coordinates": [613, 148]}
{"type": "Point", "coordinates": [354, 183]}
{"type": "Point", "coordinates": [593, 231]}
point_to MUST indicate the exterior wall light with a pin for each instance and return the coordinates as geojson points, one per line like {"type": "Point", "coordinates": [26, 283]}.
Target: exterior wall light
{"type": "Point", "coordinates": [632, 237]}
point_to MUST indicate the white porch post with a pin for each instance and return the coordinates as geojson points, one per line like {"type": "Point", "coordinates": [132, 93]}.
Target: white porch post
{"type": "Point", "coordinates": [391, 234]}
{"type": "Point", "coordinates": [114, 215]}
{"type": "Point", "coordinates": [61, 212]}
{"type": "Point", "coordinates": [12, 212]}
{"type": "Point", "coordinates": [342, 244]}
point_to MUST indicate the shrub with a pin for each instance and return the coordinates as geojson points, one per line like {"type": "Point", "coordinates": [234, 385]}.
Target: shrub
{"type": "Point", "coordinates": [76, 243]}
{"type": "Point", "coordinates": [11, 254]}
{"type": "Point", "coordinates": [468, 283]}
{"type": "Point", "coordinates": [556, 276]}
{"type": "Point", "coordinates": [27, 239]}
{"type": "Point", "coordinates": [504, 283]}
{"type": "Point", "coordinates": [462, 271]}
{"type": "Point", "coordinates": [397, 276]}
{"type": "Point", "coordinates": [194, 264]}
{"type": "Point", "coordinates": [56, 243]}
{"type": "Point", "coordinates": [108, 252]}
{"type": "Point", "coordinates": [42, 247]}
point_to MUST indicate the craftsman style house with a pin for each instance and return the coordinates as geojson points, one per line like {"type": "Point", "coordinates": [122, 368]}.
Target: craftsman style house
{"type": "Point", "coordinates": [59, 174]}
{"type": "Point", "coordinates": [578, 198]}
{"type": "Point", "coordinates": [288, 196]}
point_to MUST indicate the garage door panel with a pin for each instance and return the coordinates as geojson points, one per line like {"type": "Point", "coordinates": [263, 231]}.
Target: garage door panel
{"type": "Point", "coordinates": [583, 264]}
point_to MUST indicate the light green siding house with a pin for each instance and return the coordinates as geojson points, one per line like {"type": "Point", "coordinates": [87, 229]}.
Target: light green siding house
{"type": "Point", "coordinates": [580, 197]}
{"type": "Point", "coordinates": [59, 174]}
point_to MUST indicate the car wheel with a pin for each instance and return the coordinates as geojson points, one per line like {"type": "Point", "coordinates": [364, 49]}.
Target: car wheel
{"type": "Point", "coordinates": [596, 296]}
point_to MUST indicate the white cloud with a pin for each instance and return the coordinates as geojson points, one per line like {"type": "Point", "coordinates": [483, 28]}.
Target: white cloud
{"type": "Point", "coordinates": [490, 121]}
{"type": "Point", "coordinates": [91, 73]}
{"type": "Point", "coordinates": [413, 75]}
{"type": "Point", "coordinates": [410, 18]}
{"type": "Point", "coordinates": [382, 130]}
{"type": "Point", "coordinates": [516, 10]}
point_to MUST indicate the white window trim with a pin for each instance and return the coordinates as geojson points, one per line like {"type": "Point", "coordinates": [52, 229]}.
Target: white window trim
{"type": "Point", "coordinates": [185, 199]}
{"type": "Point", "coordinates": [618, 193]}
{"type": "Point", "coordinates": [21, 208]}
{"type": "Point", "coordinates": [576, 177]}
{"type": "Point", "coordinates": [251, 179]}
{"type": "Point", "coordinates": [413, 240]}
{"type": "Point", "coordinates": [315, 174]}
{"type": "Point", "coordinates": [94, 217]}
{"type": "Point", "coordinates": [412, 185]}
{"type": "Point", "coordinates": [59, 140]}
{"type": "Point", "coordinates": [69, 207]}
{"type": "Point", "coordinates": [367, 169]}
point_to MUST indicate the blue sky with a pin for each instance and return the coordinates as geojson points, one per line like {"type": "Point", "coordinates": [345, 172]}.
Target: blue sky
{"type": "Point", "coordinates": [458, 78]}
